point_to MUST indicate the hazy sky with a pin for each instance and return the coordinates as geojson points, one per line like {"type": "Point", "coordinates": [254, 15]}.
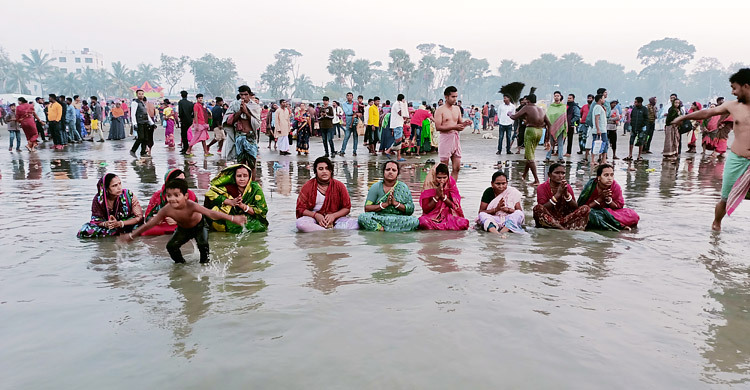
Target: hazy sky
{"type": "Point", "coordinates": [251, 32]}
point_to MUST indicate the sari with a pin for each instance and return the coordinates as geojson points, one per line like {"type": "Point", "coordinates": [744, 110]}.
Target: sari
{"type": "Point", "coordinates": [169, 129]}
{"type": "Point", "coordinates": [117, 125]}
{"type": "Point", "coordinates": [303, 131]}
{"type": "Point", "coordinates": [25, 117]}
{"type": "Point", "coordinates": [224, 187]}
{"type": "Point", "coordinates": [159, 200]}
{"type": "Point", "coordinates": [442, 217]}
{"type": "Point", "coordinates": [614, 219]}
{"type": "Point", "coordinates": [671, 134]}
{"type": "Point", "coordinates": [125, 207]}
{"type": "Point", "coordinates": [389, 219]}
{"type": "Point", "coordinates": [513, 221]}
{"type": "Point", "coordinates": [425, 144]}
{"type": "Point", "coordinates": [561, 215]}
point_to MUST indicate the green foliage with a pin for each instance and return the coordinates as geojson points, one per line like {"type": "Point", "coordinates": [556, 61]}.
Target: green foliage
{"type": "Point", "coordinates": [214, 76]}
{"type": "Point", "coordinates": [172, 69]}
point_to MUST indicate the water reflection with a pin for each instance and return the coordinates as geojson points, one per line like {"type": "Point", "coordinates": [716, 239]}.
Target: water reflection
{"type": "Point", "coordinates": [436, 252]}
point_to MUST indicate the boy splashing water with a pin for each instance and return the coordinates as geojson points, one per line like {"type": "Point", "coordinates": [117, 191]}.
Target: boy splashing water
{"type": "Point", "coordinates": [189, 218]}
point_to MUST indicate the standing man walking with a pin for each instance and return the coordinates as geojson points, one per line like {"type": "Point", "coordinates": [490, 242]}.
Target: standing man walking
{"type": "Point", "coordinates": [485, 115]}
{"type": "Point", "coordinates": [399, 115]}
{"type": "Point", "coordinates": [348, 106]}
{"type": "Point", "coordinates": [638, 128]}
{"type": "Point", "coordinates": [39, 110]}
{"type": "Point", "coordinates": [325, 119]}
{"type": "Point", "coordinates": [448, 123]}
{"type": "Point", "coordinates": [96, 117]}
{"type": "Point", "coordinates": [283, 126]}
{"type": "Point", "coordinates": [217, 117]}
{"type": "Point", "coordinates": [653, 114]}
{"type": "Point", "coordinates": [139, 117]}
{"type": "Point", "coordinates": [54, 118]}
{"type": "Point", "coordinates": [185, 116]}
{"type": "Point", "coordinates": [505, 125]}
{"type": "Point", "coordinates": [574, 115]}
{"type": "Point", "coordinates": [536, 121]}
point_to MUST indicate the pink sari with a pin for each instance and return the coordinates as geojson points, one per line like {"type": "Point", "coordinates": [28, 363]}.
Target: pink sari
{"type": "Point", "coordinates": [443, 217]}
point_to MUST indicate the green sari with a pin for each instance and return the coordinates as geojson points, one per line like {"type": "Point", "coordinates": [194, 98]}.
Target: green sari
{"type": "Point", "coordinates": [425, 135]}
{"type": "Point", "coordinates": [223, 187]}
{"type": "Point", "coordinates": [389, 219]}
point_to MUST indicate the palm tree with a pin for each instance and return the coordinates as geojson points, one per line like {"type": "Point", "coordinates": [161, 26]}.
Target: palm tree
{"type": "Point", "coordinates": [303, 87]}
{"type": "Point", "coordinates": [17, 78]}
{"type": "Point", "coordinates": [39, 64]}
{"type": "Point", "coordinates": [62, 83]}
{"type": "Point", "coordinates": [147, 72]}
{"type": "Point", "coordinates": [122, 79]}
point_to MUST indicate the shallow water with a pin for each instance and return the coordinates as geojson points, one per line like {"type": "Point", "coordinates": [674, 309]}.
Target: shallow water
{"type": "Point", "coordinates": [665, 306]}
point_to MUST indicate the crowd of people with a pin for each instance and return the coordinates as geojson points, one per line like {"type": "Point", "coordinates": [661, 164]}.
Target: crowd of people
{"type": "Point", "coordinates": [235, 202]}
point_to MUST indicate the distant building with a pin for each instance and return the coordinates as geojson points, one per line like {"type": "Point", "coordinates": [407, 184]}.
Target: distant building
{"type": "Point", "coordinates": [72, 61]}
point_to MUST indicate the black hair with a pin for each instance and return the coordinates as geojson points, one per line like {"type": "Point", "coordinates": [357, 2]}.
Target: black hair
{"type": "Point", "coordinates": [52, 96]}
{"type": "Point", "coordinates": [675, 95]}
{"type": "Point", "coordinates": [136, 91]}
{"type": "Point", "coordinates": [325, 160]}
{"type": "Point", "coordinates": [442, 168]}
{"type": "Point", "coordinates": [597, 98]}
{"type": "Point", "coordinates": [601, 169]}
{"type": "Point", "coordinates": [94, 98]}
{"type": "Point", "coordinates": [108, 180]}
{"type": "Point", "coordinates": [553, 167]}
{"type": "Point", "coordinates": [349, 93]}
{"type": "Point", "coordinates": [400, 97]}
{"type": "Point", "coordinates": [22, 100]}
{"type": "Point", "coordinates": [265, 107]}
{"type": "Point", "coordinates": [639, 99]}
{"type": "Point", "coordinates": [601, 91]}
{"type": "Point", "coordinates": [573, 95]}
{"type": "Point", "coordinates": [174, 174]}
{"type": "Point", "coordinates": [589, 96]}
{"type": "Point", "coordinates": [531, 98]}
{"type": "Point", "coordinates": [180, 184]}
{"type": "Point", "coordinates": [219, 99]}
{"type": "Point", "coordinates": [498, 174]}
{"type": "Point", "coordinates": [387, 102]}
{"type": "Point", "coordinates": [183, 94]}
{"type": "Point", "coordinates": [200, 95]}
{"type": "Point", "coordinates": [557, 92]}
{"type": "Point", "coordinates": [74, 97]}
{"type": "Point", "coordinates": [449, 90]}
{"type": "Point", "coordinates": [237, 97]}
{"type": "Point", "coordinates": [370, 100]}
{"type": "Point", "coordinates": [281, 101]}
{"type": "Point", "coordinates": [720, 98]}
{"type": "Point", "coordinates": [360, 96]}
{"type": "Point", "coordinates": [12, 105]}
{"type": "Point", "coordinates": [244, 88]}
{"type": "Point", "coordinates": [398, 166]}
{"type": "Point", "coordinates": [376, 98]}
{"type": "Point", "coordinates": [69, 100]}
{"type": "Point", "coordinates": [742, 77]}
{"type": "Point", "coordinates": [325, 98]}
{"type": "Point", "coordinates": [506, 95]}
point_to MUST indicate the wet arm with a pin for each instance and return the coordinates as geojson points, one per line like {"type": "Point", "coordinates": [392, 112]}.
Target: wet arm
{"type": "Point", "coordinates": [151, 222]}
{"type": "Point", "coordinates": [702, 114]}
{"type": "Point", "coordinates": [518, 114]}
{"type": "Point", "coordinates": [483, 207]}
{"type": "Point", "coordinates": [215, 215]}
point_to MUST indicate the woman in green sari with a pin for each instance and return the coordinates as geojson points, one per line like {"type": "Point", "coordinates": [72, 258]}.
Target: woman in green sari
{"type": "Point", "coordinates": [389, 205]}
{"type": "Point", "coordinates": [233, 192]}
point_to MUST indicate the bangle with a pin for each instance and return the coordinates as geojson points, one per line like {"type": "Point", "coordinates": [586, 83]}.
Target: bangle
{"type": "Point", "coordinates": [608, 201]}
{"type": "Point", "coordinates": [554, 199]}
{"type": "Point", "coordinates": [247, 208]}
{"type": "Point", "coordinates": [554, 203]}
{"type": "Point", "coordinates": [381, 206]}
{"type": "Point", "coordinates": [597, 202]}
{"type": "Point", "coordinates": [122, 224]}
{"type": "Point", "coordinates": [569, 198]}
{"type": "Point", "coordinates": [130, 235]}
{"type": "Point", "coordinates": [434, 199]}
{"type": "Point", "coordinates": [445, 197]}
{"type": "Point", "coordinates": [398, 205]}
{"type": "Point", "coordinates": [231, 218]}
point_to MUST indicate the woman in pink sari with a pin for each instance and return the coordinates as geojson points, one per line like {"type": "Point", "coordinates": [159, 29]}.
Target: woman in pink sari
{"type": "Point", "coordinates": [441, 202]}
{"type": "Point", "coordinates": [169, 115]}
{"type": "Point", "coordinates": [604, 197]}
{"type": "Point", "coordinates": [500, 210]}
{"type": "Point", "coordinates": [25, 116]}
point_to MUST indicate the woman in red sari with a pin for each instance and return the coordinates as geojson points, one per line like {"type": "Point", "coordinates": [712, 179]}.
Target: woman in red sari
{"type": "Point", "coordinates": [159, 200]}
{"type": "Point", "coordinates": [604, 197]}
{"type": "Point", "coordinates": [25, 116]}
{"type": "Point", "coordinates": [441, 202]}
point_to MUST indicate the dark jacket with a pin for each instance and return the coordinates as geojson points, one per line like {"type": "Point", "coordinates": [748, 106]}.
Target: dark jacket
{"type": "Point", "coordinates": [574, 114]}
{"type": "Point", "coordinates": [638, 117]}
{"type": "Point", "coordinates": [185, 107]}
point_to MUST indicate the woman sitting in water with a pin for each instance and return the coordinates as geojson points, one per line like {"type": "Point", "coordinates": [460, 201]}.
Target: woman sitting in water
{"type": "Point", "coordinates": [500, 210]}
{"type": "Point", "coordinates": [604, 196]}
{"type": "Point", "coordinates": [233, 192]}
{"type": "Point", "coordinates": [389, 206]}
{"type": "Point", "coordinates": [441, 202]}
{"type": "Point", "coordinates": [159, 200]}
{"type": "Point", "coordinates": [114, 210]}
{"type": "Point", "coordinates": [323, 201]}
{"type": "Point", "coordinates": [556, 206]}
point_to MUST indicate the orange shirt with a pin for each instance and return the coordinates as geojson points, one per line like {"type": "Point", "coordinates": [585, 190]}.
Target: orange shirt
{"type": "Point", "coordinates": [117, 112]}
{"type": "Point", "coordinates": [54, 112]}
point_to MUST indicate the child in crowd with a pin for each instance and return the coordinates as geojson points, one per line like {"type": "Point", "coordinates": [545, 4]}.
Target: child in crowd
{"type": "Point", "coordinates": [189, 218]}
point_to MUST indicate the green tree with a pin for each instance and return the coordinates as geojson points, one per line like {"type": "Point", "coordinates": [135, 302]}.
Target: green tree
{"type": "Point", "coordinates": [16, 78]}
{"type": "Point", "coordinates": [400, 67]}
{"type": "Point", "coordinates": [146, 72]}
{"type": "Point", "coordinates": [278, 75]}
{"type": "Point", "coordinates": [39, 64]}
{"type": "Point", "coordinates": [304, 88]}
{"type": "Point", "coordinates": [214, 76]}
{"type": "Point", "coordinates": [340, 66]}
{"type": "Point", "coordinates": [664, 61]}
{"type": "Point", "coordinates": [122, 79]}
{"type": "Point", "coordinates": [172, 69]}
{"type": "Point", "coordinates": [361, 74]}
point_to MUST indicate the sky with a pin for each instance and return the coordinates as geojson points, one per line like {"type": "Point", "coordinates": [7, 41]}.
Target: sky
{"type": "Point", "coordinates": [251, 32]}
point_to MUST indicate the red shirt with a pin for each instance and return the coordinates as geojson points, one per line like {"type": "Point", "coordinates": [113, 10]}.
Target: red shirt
{"type": "Point", "coordinates": [419, 117]}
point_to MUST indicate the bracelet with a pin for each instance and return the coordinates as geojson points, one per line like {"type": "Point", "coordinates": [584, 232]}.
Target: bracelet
{"type": "Point", "coordinates": [608, 201]}
{"type": "Point", "coordinates": [381, 206]}
{"type": "Point", "coordinates": [231, 218]}
{"type": "Point", "coordinates": [122, 224]}
{"type": "Point", "coordinates": [554, 199]}
{"type": "Point", "coordinates": [398, 205]}
{"type": "Point", "coordinates": [597, 202]}
{"type": "Point", "coordinates": [445, 197]}
{"type": "Point", "coordinates": [130, 235]}
{"type": "Point", "coordinates": [554, 203]}
{"type": "Point", "coordinates": [247, 208]}
{"type": "Point", "coordinates": [569, 198]}
{"type": "Point", "coordinates": [434, 199]}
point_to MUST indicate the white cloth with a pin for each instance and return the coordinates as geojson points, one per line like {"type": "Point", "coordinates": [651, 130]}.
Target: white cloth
{"type": "Point", "coordinates": [502, 114]}
{"type": "Point", "coordinates": [397, 120]}
{"type": "Point", "coordinates": [39, 110]}
{"type": "Point", "coordinates": [283, 143]}
{"type": "Point", "coordinates": [319, 200]}
{"type": "Point", "coordinates": [337, 113]}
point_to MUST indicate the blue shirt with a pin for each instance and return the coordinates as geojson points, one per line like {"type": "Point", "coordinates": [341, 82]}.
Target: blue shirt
{"type": "Point", "coordinates": [348, 108]}
{"type": "Point", "coordinates": [217, 115]}
{"type": "Point", "coordinates": [70, 113]}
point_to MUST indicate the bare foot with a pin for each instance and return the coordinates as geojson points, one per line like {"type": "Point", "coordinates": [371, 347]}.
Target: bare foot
{"type": "Point", "coordinates": [716, 226]}
{"type": "Point", "coordinates": [535, 184]}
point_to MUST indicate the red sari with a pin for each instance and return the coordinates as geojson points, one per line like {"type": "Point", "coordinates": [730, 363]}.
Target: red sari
{"type": "Point", "coordinates": [443, 217]}
{"type": "Point", "coordinates": [25, 116]}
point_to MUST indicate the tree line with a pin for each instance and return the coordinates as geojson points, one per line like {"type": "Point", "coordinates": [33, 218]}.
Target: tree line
{"type": "Point", "coordinates": [664, 71]}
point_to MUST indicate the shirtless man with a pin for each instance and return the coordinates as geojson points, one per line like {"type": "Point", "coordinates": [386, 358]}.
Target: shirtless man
{"type": "Point", "coordinates": [738, 158]}
{"type": "Point", "coordinates": [536, 120]}
{"type": "Point", "coordinates": [243, 117]}
{"type": "Point", "coordinates": [448, 123]}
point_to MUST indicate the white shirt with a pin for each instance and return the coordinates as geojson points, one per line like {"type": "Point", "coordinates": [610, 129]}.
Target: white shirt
{"type": "Point", "coordinates": [397, 120]}
{"type": "Point", "coordinates": [502, 114]}
{"type": "Point", "coordinates": [319, 200]}
{"type": "Point", "coordinates": [337, 112]}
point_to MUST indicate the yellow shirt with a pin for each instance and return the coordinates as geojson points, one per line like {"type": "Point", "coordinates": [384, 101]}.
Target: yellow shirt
{"type": "Point", "coordinates": [373, 116]}
{"type": "Point", "coordinates": [54, 112]}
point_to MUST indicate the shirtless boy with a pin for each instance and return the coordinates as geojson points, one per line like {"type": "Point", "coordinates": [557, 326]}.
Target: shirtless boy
{"type": "Point", "coordinates": [189, 218]}
{"type": "Point", "coordinates": [448, 123]}
{"type": "Point", "coordinates": [536, 121]}
{"type": "Point", "coordinates": [738, 158]}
